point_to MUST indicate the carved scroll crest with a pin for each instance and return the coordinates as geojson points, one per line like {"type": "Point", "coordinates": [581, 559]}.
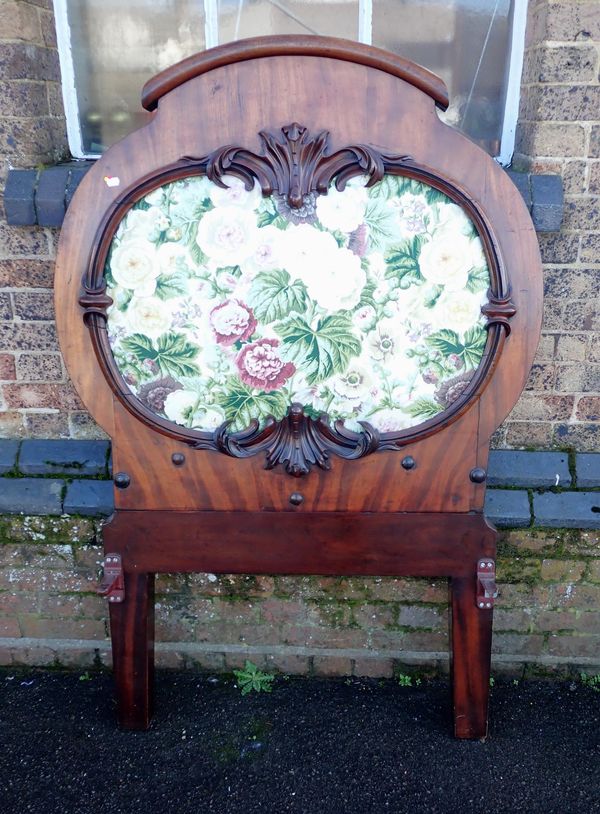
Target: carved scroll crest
{"type": "Point", "coordinates": [295, 164]}
{"type": "Point", "coordinates": [298, 441]}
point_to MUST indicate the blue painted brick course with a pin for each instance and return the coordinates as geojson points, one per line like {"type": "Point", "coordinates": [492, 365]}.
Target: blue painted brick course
{"type": "Point", "coordinates": [64, 457]}
{"type": "Point", "coordinates": [587, 465]}
{"type": "Point", "coordinates": [19, 191]}
{"type": "Point", "coordinates": [31, 496]}
{"type": "Point", "coordinates": [574, 510]}
{"type": "Point", "coordinates": [50, 195]}
{"type": "Point", "coordinates": [8, 455]}
{"type": "Point", "coordinates": [508, 508]}
{"type": "Point", "coordinates": [89, 497]}
{"type": "Point", "coordinates": [531, 470]}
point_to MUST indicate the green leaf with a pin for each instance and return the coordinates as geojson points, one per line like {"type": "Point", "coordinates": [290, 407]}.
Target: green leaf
{"type": "Point", "coordinates": [474, 343]}
{"type": "Point", "coordinates": [366, 296]}
{"type": "Point", "coordinates": [321, 351]}
{"type": "Point", "coordinates": [381, 222]}
{"type": "Point", "coordinates": [174, 354]}
{"type": "Point", "coordinates": [273, 297]}
{"type": "Point", "coordinates": [402, 262]}
{"type": "Point", "coordinates": [435, 196]}
{"type": "Point", "coordinates": [446, 341]}
{"type": "Point", "coordinates": [424, 408]}
{"type": "Point", "coordinates": [140, 346]}
{"type": "Point", "coordinates": [170, 286]}
{"type": "Point", "coordinates": [386, 188]}
{"type": "Point", "coordinates": [242, 405]}
{"type": "Point", "coordinates": [478, 280]}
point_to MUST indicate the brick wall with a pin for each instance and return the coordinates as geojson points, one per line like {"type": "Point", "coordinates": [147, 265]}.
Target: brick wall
{"type": "Point", "coordinates": [547, 617]}
{"type": "Point", "coordinates": [36, 398]}
{"type": "Point", "coordinates": [559, 132]}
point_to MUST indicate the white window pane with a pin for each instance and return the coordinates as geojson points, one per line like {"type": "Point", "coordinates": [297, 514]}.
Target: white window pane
{"type": "Point", "coordinates": [466, 42]}
{"type": "Point", "coordinates": [116, 47]}
{"type": "Point", "coordinates": [254, 18]}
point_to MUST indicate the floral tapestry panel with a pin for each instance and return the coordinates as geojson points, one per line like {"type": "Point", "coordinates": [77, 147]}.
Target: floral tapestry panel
{"type": "Point", "coordinates": [364, 304]}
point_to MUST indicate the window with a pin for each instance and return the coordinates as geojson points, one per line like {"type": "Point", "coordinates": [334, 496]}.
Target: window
{"type": "Point", "coordinates": [108, 49]}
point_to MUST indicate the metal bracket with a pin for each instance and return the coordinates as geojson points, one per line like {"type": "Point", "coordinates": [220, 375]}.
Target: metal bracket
{"type": "Point", "coordinates": [112, 586]}
{"type": "Point", "coordinates": [486, 584]}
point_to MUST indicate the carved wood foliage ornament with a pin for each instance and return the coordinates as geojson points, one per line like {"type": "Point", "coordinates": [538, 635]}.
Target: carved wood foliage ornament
{"type": "Point", "coordinates": [295, 167]}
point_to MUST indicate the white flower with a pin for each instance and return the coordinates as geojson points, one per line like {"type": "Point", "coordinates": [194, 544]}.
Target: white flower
{"type": "Point", "coordinates": [236, 193]}
{"type": "Point", "coordinates": [208, 418]}
{"type": "Point", "coordinates": [133, 265]}
{"type": "Point", "coordinates": [180, 406]}
{"type": "Point", "coordinates": [343, 211]}
{"type": "Point", "coordinates": [387, 341]}
{"type": "Point", "coordinates": [333, 276]}
{"type": "Point", "coordinates": [458, 310]}
{"type": "Point", "coordinates": [149, 316]}
{"type": "Point", "coordinates": [446, 260]}
{"type": "Point", "coordinates": [302, 247]}
{"type": "Point", "coordinates": [144, 224]}
{"type": "Point", "coordinates": [155, 198]}
{"type": "Point", "coordinates": [172, 257]}
{"type": "Point", "coordinates": [228, 235]}
{"type": "Point", "coordinates": [389, 420]}
{"type": "Point", "coordinates": [267, 254]}
{"type": "Point", "coordinates": [477, 258]}
{"type": "Point", "coordinates": [451, 220]}
{"type": "Point", "coordinates": [353, 388]}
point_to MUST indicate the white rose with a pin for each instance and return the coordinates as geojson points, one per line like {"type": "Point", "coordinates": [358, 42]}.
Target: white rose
{"type": "Point", "coordinates": [149, 316]}
{"type": "Point", "coordinates": [145, 224]}
{"type": "Point", "coordinates": [236, 193]}
{"type": "Point", "coordinates": [228, 235]}
{"type": "Point", "coordinates": [450, 219]}
{"type": "Point", "coordinates": [208, 418]}
{"type": "Point", "coordinates": [458, 311]}
{"type": "Point", "coordinates": [338, 282]}
{"type": "Point", "coordinates": [172, 257]}
{"type": "Point", "coordinates": [180, 406]}
{"type": "Point", "coordinates": [267, 254]}
{"type": "Point", "coordinates": [343, 211]}
{"type": "Point", "coordinates": [389, 420]}
{"type": "Point", "coordinates": [477, 257]}
{"type": "Point", "coordinates": [133, 265]}
{"type": "Point", "coordinates": [446, 260]}
{"type": "Point", "coordinates": [302, 249]}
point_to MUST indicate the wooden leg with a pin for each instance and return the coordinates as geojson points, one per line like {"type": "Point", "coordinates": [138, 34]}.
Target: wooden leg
{"type": "Point", "coordinates": [471, 654]}
{"type": "Point", "coordinates": [132, 634]}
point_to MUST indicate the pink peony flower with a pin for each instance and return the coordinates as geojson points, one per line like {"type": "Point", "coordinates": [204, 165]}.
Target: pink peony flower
{"type": "Point", "coordinates": [261, 366]}
{"type": "Point", "coordinates": [232, 321]}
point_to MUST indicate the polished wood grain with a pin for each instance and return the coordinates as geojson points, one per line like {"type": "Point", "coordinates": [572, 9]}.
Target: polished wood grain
{"type": "Point", "coordinates": [261, 47]}
{"type": "Point", "coordinates": [186, 508]}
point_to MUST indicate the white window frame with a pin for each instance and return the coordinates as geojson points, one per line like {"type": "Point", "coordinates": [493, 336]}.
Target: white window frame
{"type": "Point", "coordinates": [364, 34]}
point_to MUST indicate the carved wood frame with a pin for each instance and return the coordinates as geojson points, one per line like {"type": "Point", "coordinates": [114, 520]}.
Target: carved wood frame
{"type": "Point", "coordinates": [296, 167]}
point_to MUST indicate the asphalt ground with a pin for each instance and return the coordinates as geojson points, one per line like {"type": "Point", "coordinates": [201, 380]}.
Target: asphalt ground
{"type": "Point", "coordinates": [312, 746]}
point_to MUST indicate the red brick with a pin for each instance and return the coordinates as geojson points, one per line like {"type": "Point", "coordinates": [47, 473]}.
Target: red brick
{"type": "Point", "coordinates": [573, 646]}
{"type": "Point", "coordinates": [588, 408]}
{"type": "Point", "coordinates": [30, 273]}
{"type": "Point", "coordinates": [332, 666]}
{"type": "Point", "coordinates": [287, 663]}
{"type": "Point", "coordinates": [374, 668]}
{"type": "Point", "coordinates": [36, 396]}
{"type": "Point", "coordinates": [9, 628]}
{"type": "Point", "coordinates": [7, 367]}
{"type": "Point", "coordinates": [559, 570]}
{"type": "Point", "coordinates": [283, 611]}
{"type": "Point", "coordinates": [517, 644]}
{"type": "Point", "coordinates": [36, 627]}
{"type": "Point", "coordinates": [374, 616]}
